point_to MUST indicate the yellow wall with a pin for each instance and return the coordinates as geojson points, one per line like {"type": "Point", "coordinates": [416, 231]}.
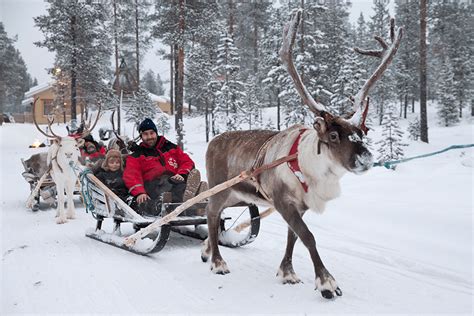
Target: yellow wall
{"type": "Point", "coordinates": [41, 118]}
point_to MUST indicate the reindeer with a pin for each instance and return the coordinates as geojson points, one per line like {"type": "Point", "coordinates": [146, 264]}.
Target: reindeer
{"type": "Point", "coordinates": [62, 156]}
{"type": "Point", "coordinates": [327, 151]}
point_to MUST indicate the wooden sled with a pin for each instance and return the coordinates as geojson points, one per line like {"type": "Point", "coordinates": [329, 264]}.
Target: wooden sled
{"type": "Point", "coordinates": [104, 204]}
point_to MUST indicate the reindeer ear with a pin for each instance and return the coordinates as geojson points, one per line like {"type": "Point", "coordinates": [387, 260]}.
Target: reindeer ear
{"type": "Point", "coordinates": [320, 125]}
{"type": "Point", "coordinates": [80, 142]}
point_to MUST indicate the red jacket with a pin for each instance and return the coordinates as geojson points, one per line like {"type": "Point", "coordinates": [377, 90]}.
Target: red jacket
{"type": "Point", "coordinates": [100, 153]}
{"type": "Point", "coordinates": [147, 164]}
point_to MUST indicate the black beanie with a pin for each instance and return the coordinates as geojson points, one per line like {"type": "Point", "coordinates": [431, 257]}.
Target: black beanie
{"type": "Point", "coordinates": [146, 125]}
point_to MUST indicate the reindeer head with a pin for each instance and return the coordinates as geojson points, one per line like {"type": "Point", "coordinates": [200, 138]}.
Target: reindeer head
{"type": "Point", "coordinates": [66, 147]}
{"type": "Point", "coordinates": [344, 138]}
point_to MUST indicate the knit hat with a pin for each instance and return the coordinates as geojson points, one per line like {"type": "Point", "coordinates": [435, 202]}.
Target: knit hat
{"type": "Point", "coordinates": [112, 153]}
{"type": "Point", "coordinates": [146, 125]}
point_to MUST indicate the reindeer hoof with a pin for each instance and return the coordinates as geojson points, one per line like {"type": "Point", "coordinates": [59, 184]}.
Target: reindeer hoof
{"type": "Point", "coordinates": [220, 268]}
{"type": "Point", "coordinates": [71, 216]}
{"type": "Point", "coordinates": [288, 277]}
{"type": "Point", "coordinates": [327, 294]}
{"type": "Point", "coordinates": [61, 220]}
{"type": "Point", "coordinates": [328, 286]}
{"type": "Point", "coordinates": [205, 250]}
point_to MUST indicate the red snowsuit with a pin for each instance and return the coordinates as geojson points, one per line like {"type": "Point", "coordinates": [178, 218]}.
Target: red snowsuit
{"type": "Point", "coordinates": [147, 164]}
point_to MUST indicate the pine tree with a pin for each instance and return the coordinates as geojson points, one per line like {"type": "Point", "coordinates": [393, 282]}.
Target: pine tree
{"type": "Point", "coordinates": [348, 83]}
{"type": "Point", "coordinates": [15, 79]}
{"type": "Point", "coordinates": [160, 90]}
{"type": "Point", "coordinates": [391, 145]}
{"type": "Point", "coordinates": [77, 32]}
{"type": "Point", "coordinates": [149, 82]}
{"type": "Point", "coordinates": [452, 37]}
{"type": "Point", "coordinates": [384, 90]}
{"type": "Point", "coordinates": [133, 23]}
{"type": "Point", "coordinates": [407, 61]}
{"type": "Point", "coordinates": [140, 107]}
{"type": "Point", "coordinates": [414, 129]}
{"type": "Point", "coordinates": [163, 124]}
{"type": "Point", "coordinates": [230, 91]}
{"type": "Point", "coordinates": [447, 108]}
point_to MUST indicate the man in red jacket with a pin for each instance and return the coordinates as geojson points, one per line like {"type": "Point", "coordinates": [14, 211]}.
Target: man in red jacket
{"type": "Point", "coordinates": [156, 166]}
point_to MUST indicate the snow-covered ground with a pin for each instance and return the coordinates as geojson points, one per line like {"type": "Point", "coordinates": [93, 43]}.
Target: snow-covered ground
{"type": "Point", "coordinates": [396, 242]}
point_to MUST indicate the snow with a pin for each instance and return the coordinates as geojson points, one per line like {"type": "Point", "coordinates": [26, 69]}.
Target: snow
{"type": "Point", "coordinates": [395, 241]}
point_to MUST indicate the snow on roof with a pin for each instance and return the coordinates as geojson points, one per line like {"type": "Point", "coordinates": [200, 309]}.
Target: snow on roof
{"type": "Point", "coordinates": [38, 89]}
{"type": "Point", "coordinates": [27, 101]}
{"type": "Point", "coordinates": [159, 98]}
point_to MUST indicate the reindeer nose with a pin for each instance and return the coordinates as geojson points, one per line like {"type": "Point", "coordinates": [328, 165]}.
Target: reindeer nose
{"type": "Point", "coordinates": [68, 155]}
{"type": "Point", "coordinates": [364, 162]}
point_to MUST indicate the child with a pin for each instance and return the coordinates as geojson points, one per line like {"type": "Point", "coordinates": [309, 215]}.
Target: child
{"type": "Point", "coordinates": [111, 173]}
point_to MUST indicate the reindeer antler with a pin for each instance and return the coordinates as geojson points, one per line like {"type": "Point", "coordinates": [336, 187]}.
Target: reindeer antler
{"type": "Point", "coordinates": [120, 141]}
{"type": "Point", "coordinates": [386, 54]}
{"type": "Point", "coordinates": [50, 122]}
{"type": "Point", "coordinates": [87, 128]}
{"type": "Point", "coordinates": [286, 56]}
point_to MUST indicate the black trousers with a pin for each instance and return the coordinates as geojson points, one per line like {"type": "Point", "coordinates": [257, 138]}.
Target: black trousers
{"type": "Point", "coordinates": [154, 189]}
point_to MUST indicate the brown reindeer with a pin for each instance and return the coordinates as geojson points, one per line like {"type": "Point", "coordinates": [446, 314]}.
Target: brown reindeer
{"type": "Point", "coordinates": [326, 152]}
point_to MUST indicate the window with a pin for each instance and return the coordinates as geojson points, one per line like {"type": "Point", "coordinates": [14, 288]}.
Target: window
{"type": "Point", "coordinates": [48, 106]}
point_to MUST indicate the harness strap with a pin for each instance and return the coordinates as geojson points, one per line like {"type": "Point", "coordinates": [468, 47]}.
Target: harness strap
{"type": "Point", "coordinates": [294, 165]}
{"type": "Point", "coordinates": [257, 164]}
{"type": "Point", "coordinates": [55, 158]}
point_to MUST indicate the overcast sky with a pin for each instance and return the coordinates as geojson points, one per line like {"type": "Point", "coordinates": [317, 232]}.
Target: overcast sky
{"type": "Point", "coordinates": [17, 17]}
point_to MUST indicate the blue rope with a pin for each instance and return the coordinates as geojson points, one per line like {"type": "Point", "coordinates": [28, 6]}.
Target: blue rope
{"type": "Point", "coordinates": [85, 184]}
{"type": "Point", "coordinates": [388, 164]}
{"type": "Point", "coordinates": [85, 190]}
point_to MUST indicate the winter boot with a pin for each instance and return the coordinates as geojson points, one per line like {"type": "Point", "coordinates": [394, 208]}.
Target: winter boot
{"type": "Point", "coordinates": [192, 184]}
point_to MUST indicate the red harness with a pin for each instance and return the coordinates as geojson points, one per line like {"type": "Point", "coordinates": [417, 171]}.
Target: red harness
{"type": "Point", "coordinates": [293, 164]}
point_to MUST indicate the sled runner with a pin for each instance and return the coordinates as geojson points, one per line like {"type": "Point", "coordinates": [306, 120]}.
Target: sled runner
{"type": "Point", "coordinates": [105, 204]}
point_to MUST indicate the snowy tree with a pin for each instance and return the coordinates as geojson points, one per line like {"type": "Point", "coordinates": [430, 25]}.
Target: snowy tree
{"type": "Point", "coordinates": [391, 145]}
{"type": "Point", "coordinates": [132, 32]}
{"type": "Point", "coordinates": [140, 107]}
{"type": "Point", "coordinates": [77, 32]}
{"type": "Point", "coordinates": [230, 90]}
{"type": "Point", "coordinates": [15, 79]}
{"type": "Point", "coordinates": [384, 90]}
{"type": "Point", "coordinates": [160, 90]}
{"type": "Point", "coordinates": [149, 82]}
{"type": "Point", "coordinates": [252, 106]}
{"type": "Point", "coordinates": [407, 61]}
{"type": "Point", "coordinates": [348, 82]}
{"type": "Point", "coordinates": [274, 72]}
{"type": "Point", "coordinates": [414, 129]}
{"type": "Point", "coordinates": [163, 123]}
{"type": "Point", "coordinates": [447, 108]}
{"type": "Point", "coordinates": [452, 37]}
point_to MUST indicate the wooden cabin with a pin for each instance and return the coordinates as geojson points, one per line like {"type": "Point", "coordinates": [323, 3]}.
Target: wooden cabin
{"type": "Point", "coordinates": [44, 106]}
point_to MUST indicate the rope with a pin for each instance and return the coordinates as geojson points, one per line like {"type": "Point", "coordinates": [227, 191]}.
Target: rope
{"type": "Point", "coordinates": [388, 164]}
{"type": "Point", "coordinates": [85, 187]}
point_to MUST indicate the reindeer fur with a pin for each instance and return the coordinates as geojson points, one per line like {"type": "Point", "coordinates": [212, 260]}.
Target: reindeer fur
{"type": "Point", "coordinates": [62, 153]}
{"type": "Point", "coordinates": [230, 153]}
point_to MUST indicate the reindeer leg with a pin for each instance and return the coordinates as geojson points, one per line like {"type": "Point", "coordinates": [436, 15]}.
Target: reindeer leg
{"type": "Point", "coordinates": [71, 214]}
{"type": "Point", "coordinates": [325, 282]}
{"type": "Point", "coordinates": [211, 244]}
{"type": "Point", "coordinates": [60, 214]}
{"type": "Point", "coordinates": [286, 272]}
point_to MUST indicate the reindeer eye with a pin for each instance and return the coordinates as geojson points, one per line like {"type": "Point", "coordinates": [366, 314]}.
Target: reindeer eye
{"type": "Point", "coordinates": [334, 136]}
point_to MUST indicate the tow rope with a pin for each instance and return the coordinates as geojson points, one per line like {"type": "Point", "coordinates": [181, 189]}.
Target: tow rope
{"type": "Point", "coordinates": [388, 164]}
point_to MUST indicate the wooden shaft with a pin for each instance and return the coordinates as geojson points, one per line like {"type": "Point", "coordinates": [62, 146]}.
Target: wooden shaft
{"type": "Point", "coordinates": [131, 240]}
{"type": "Point", "coordinates": [247, 223]}
{"type": "Point", "coordinates": [29, 202]}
